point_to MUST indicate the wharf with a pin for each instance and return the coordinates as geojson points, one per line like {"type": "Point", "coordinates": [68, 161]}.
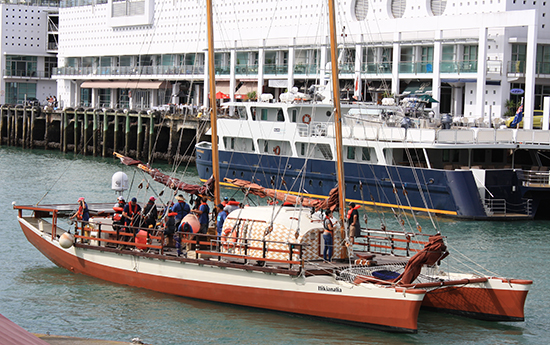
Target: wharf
{"type": "Point", "coordinates": [100, 132]}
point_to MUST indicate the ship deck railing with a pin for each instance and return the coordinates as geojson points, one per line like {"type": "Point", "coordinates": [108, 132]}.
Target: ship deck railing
{"type": "Point", "coordinates": [455, 135]}
{"type": "Point", "coordinates": [379, 241]}
{"type": "Point", "coordinates": [534, 178]}
{"type": "Point", "coordinates": [97, 234]}
{"type": "Point", "coordinates": [503, 208]}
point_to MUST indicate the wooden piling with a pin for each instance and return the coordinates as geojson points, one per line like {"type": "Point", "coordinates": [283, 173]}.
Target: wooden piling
{"type": "Point", "coordinates": [94, 133]}
{"type": "Point", "coordinates": [115, 142]}
{"type": "Point", "coordinates": [150, 154]}
{"type": "Point", "coordinates": [34, 111]}
{"type": "Point", "coordinates": [127, 134]}
{"type": "Point", "coordinates": [1, 123]}
{"type": "Point", "coordinates": [139, 136]}
{"type": "Point", "coordinates": [85, 126]}
{"type": "Point", "coordinates": [24, 129]}
{"type": "Point", "coordinates": [65, 125]}
{"type": "Point", "coordinates": [75, 134]}
{"type": "Point", "coordinates": [105, 129]}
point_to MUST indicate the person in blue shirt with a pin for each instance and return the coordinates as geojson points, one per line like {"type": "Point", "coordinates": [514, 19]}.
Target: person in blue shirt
{"type": "Point", "coordinates": [222, 215]}
{"type": "Point", "coordinates": [181, 208]}
{"type": "Point", "coordinates": [203, 212]}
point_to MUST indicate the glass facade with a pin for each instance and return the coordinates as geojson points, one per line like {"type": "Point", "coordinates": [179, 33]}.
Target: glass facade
{"type": "Point", "coordinates": [17, 93]}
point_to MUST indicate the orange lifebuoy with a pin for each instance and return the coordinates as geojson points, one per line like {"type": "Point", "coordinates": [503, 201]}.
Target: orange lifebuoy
{"type": "Point", "coordinates": [306, 119]}
{"type": "Point", "coordinates": [277, 150]}
{"type": "Point", "coordinates": [228, 236]}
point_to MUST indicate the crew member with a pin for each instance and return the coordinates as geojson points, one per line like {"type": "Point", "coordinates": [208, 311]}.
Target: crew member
{"type": "Point", "coordinates": [327, 235]}
{"type": "Point", "coordinates": [202, 212]}
{"type": "Point", "coordinates": [150, 213]}
{"type": "Point", "coordinates": [181, 208]}
{"type": "Point", "coordinates": [353, 222]}
{"type": "Point", "coordinates": [222, 215]}
{"type": "Point", "coordinates": [131, 213]}
{"type": "Point", "coordinates": [82, 213]}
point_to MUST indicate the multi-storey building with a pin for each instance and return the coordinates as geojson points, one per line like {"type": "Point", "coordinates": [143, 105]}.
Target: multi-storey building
{"type": "Point", "coordinates": [29, 50]}
{"type": "Point", "coordinates": [468, 54]}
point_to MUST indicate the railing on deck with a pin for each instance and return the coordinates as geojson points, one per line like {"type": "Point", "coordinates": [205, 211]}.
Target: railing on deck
{"type": "Point", "coordinates": [500, 207]}
{"type": "Point", "coordinates": [201, 243]}
{"type": "Point", "coordinates": [534, 178]}
{"type": "Point", "coordinates": [389, 242]}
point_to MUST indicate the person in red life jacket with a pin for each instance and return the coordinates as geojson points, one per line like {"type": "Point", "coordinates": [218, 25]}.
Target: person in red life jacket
{"type": "Point", "coordinates": [225, 201]}
{"type": "Point", "coordinates": [353, 222]}
{"type": "Point", "coordinates": [82, 213]}
{"type": "Point", "coordinates": [150, 213]}
{"type": "Point", "coordinates": [327, 236]}
{"type": "Point", "coordinates": [203, 212]}
{"type": "Point", "coordinates": [181, 208]}
{"type": "Point", "coordinates": [131, 213]}
{"type": "Point", "coordinates": [118, 220]}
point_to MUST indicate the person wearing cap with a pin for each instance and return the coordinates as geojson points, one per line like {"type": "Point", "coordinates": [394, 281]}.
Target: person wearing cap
{"type": "Point", "coordinates": [131, 213]}
{"type": "Point", "coordinates": [150, 213]}
{"type": "Point", "coordinates": [353, 222]}
{"type": "Point", "coordinates": [82, 214]}
{"type": "Point", "coordinates": [181, 208]}
{"type": "Point", "coordinates": [222, 215]}
{"type": "Point", "coordinates": [117, 216]}
{"type": "Point", "coordinates": [225, 201]}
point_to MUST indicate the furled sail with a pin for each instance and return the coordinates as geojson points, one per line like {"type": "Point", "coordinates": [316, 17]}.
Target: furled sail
{"type": "Point", "coordinates": [171, 182]}
{"type": "Point", "coordinates": [256, 189]}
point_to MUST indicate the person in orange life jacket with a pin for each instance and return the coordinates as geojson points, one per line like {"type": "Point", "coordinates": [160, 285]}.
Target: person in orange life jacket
{"type": "Point", "coordinates": [225, 201]}
{"type": "Point", "coordinates": [353, 222]}
{"type": "Point", "coordinates": [181, 208]}
{"type": "Point", "coordinates": [232, 205]}
{"type": "Point", "coordinates": [327, 235]}
{"type": "Point", "coordinates": [82, 213]}
{"type": "Point", "coordinates": [203, 212]}
{"type": "Point", "coordinates": [222, 215]}
{"type": "Point", "coordinates": [131, 213]}
{"type": "Point", "coordinates": [150, 213]}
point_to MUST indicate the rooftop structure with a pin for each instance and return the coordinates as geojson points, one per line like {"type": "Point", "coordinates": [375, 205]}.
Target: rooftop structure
{"type": "Point", "coordinates": [140, 54]}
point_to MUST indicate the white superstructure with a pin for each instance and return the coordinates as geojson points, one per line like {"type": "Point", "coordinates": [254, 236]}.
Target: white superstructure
{"type": "Point", "coordinates": [28, 48]}
{"type": "Point", "coordinates": [146, 53]}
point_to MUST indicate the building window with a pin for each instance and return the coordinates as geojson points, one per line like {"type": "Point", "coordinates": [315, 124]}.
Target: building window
{"type": "Point", "coordinates": [398, 8]}
{"type": "Point", "coordinates": [361, 9]}
{"type": "Point", "coordinates": [21, 66]}
{"type": "Point", "coordinates": [17, 93]}
{"type": "Point", "coordinates": [438, 7]}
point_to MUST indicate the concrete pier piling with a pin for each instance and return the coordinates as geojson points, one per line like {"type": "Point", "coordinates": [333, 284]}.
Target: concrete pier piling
{"type": "Point", "coordinates": [144, 135]}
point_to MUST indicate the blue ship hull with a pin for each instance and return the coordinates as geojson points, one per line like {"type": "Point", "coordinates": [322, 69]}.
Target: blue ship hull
{"type": "Point", "coordinates": [452, 193]}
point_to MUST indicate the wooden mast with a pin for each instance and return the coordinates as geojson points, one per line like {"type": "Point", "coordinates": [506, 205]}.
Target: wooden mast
{"type": "Point", "coordinates": [213, 107]}
{"type": "Point", "coordinates": [337, 113]}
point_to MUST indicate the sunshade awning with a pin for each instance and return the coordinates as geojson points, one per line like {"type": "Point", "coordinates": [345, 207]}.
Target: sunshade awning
{"type": "Point", "coordinates": [126, 84]}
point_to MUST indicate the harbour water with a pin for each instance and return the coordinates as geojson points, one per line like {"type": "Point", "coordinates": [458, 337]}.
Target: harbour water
{"type": "Point", "coordinates": [42, 298]}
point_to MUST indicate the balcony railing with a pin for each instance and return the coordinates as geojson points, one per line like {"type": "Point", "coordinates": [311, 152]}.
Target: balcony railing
{"type": "Point", "coordinates": [519, 67]}
{"type": "Point", "coordinates": [246, 69]}
{"type": "Point", "coordinates": [125, 70]}
{"type": "Point", "coordinates": [458, 66]}
{"type": "Point", "coordinates": [275, 69]}
{"type": "Point", "coordinates": [416, 67]}
{"type": "Point", "coordinates": [306, 69]}
{"type": "Point", "coordinates": [377, 68]}
{"type": "Point", "coordinates": [27, 73]}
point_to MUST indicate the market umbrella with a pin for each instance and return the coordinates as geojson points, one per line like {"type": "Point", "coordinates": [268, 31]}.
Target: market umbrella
{"type": "Point", "coordinates": [221, 95]}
